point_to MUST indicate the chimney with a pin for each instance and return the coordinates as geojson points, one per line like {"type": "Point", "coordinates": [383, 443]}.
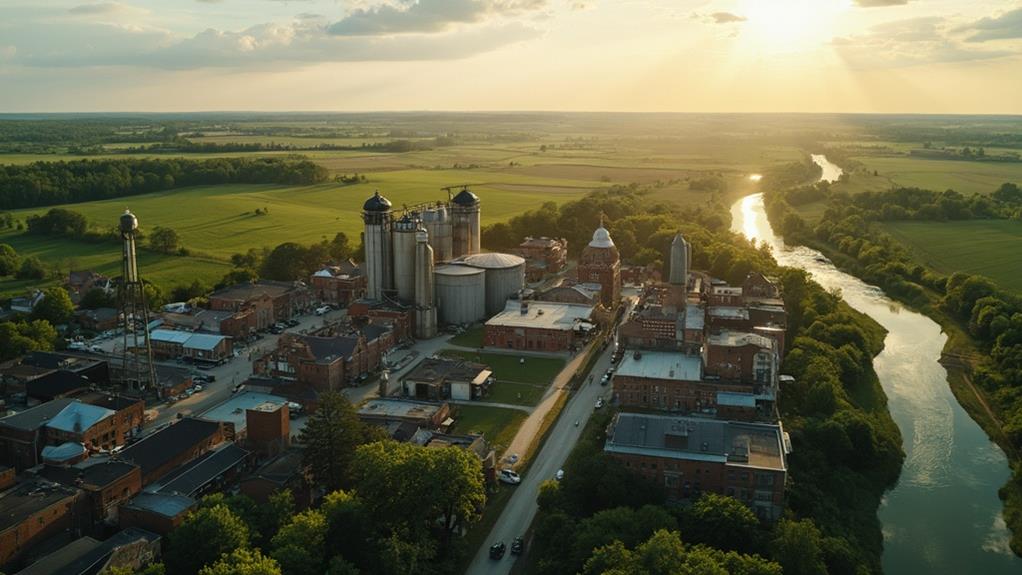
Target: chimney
{"type": "Point", "coordinates": [525, 307]}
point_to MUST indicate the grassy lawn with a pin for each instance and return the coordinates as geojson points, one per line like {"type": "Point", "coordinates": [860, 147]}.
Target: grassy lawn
{"type": "Point", "coordinates": [516, 393]}
{"type": "Point", "coordinates": [473, 337]}
{"type": "Point", "coordinates": [986, 247]}
{"type": "Point", "coordinates": [497, 424]}
{"type": "Point", "coordinates": [535, 370]}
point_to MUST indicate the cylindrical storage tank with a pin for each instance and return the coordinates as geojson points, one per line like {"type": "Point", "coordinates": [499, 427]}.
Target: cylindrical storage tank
{"type": "Point", "coordinates": [404, 258]}
{"type": "Point", "coordinates": [425, 308]}
{"type": "Point", "coordinates": [437, 222]}
{"type": "Point", "coordinates": [460, 293]}
{"type": "Point", "coordinates": [376, 239]}
{"type": "Point", "coordinates": [505, 277]}
{"type": "Point", "coordinates": [466, 224]}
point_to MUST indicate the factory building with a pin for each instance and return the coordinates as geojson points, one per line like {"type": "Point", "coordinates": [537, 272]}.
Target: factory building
{"type": "Point", "coordinates": [427, 259]}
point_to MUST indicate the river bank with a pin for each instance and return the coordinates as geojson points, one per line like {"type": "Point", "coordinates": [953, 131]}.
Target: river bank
{"type": "Point", "coordinates": [944, 515]}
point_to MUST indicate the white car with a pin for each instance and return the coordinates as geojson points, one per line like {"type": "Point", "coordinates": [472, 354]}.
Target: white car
{"type": "Point", "coordinates": [559, 475]}
{"type": "Point", "coordinates": [599, 403]}
{"type": "Point", "coordinates": [197, 388]}
{"type": "Point", "coordinates": [510, 477]}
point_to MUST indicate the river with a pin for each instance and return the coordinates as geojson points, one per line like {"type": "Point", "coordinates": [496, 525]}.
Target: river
{"type": "Point", "coordinates": [943, 516]}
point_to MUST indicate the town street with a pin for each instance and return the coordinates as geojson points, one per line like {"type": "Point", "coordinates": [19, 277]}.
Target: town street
{"type": "Point", "coordinates": [521, 509]}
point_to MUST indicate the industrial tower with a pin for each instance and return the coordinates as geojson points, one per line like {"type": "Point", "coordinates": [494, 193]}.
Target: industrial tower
{"type": "Point", "coordinates": [681, 259]}
{"type": "Point", "coordinates": [137, 368]}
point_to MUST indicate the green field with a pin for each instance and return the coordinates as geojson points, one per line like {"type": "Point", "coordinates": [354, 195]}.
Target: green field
{"type": "Point", "coordinates": [939, 175]}
{"type": "Point", "coordinates": [992, 248]}
{"type": "Point", "coordinates": [516, 393]}
{"type": "Point", "coordinates": [535, 370]}
{"type": "Point", "coordinates": [497, 424]}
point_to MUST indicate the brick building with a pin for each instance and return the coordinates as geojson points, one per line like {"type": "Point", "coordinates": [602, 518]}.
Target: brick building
{"type": "Point", "coordinates": [285, 471]}
{"type": "Point", "coordinates": [159, 453]}
{"type": "Point", "coordinates": [601, 263]}
{"type": "Point", "coordinates": [198, 347]}
{"type": "Point", "coordinates": [82, 282]}
{"type": "Point", "coordinates": [32, 511]}
{"type": "Point", "coordinates": [106, 484]}
{"type": "Point", "coordinates": [443, 378]}
{"type": "Point", "coordinates": [583, 294]}
{"type": "Point", "coordinates": [539, 326]}
{"type": "Point", "coordinates": [688, 456]}
{"type": "Point", "coordinates": [394, 315]}
{"type": "Point", "coordinates": [324, 362]}
{"type": "Point", "coordinates": [338, 284]}
{"type": "Point", "coordinates": [159, 513]}
{"type": "Point", "coordinates": [543, 256]}
{"type": "Point", "coordinates": [268, 301]}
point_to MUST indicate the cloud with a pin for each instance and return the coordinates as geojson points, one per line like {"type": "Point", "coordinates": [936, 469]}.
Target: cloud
{"type": "Point", "coordinates": [726, 18]}
{"type": "Point", "coordinates": [102, 8]}
{"type": "Point", "coordinates": [426, 16]}
{"type": "Point", "coordinates": [1007, 26]}
{"type": "Point", "coordinates": [879, 3]}
{"type": "Point", "coordinates": [907, 43]}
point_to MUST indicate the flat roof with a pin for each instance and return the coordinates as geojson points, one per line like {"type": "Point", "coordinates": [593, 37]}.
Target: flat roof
{"type": "Point", "coordinates": [233, 409]}
{"type": "Point", "coordinates": [695, 317]}
{"type": "Point", "coordinates": [191, 478]}
{"type": "Point", "coordinates": [168, 505]}
{"type": "Point", "coordinates": [395, 408]}
{"type": "Point", "coordinates": [204, 341]}
{"type": "Point", "coordinates": [729, 311]}
{"type": "Point", "coordinates": [670, 365]}
{"type": "Point", "coordinates": [77, 417]}
{"type": "Point", "coordinates": [542, 315]}
{"type": "Point", "coordinates": [754, 445]}
{"type": "Point", "coordinates": [733, 399]}
{"type": "Point", "coordinates": [728, 338]}
{"type": "Point", "coordinates": [170, 336]}
{"type": "Point", "coordinates": [28, 498]}
{"type": "Point", "coordinates": [158, 448]}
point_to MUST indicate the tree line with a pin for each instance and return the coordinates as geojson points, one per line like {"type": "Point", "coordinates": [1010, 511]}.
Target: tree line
{"type": "Point", "coordinates": [48, 183]}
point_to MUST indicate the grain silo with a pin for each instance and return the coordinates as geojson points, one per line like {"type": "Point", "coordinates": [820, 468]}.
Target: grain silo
{"type": "Point", "coordinates": [460, 293]}
{"type": "Point", "coordinates": [425, 308]}
{"type": "Point", "coordinates": [404, 257]}
{"type": "Point", "coordinates": [505, 277]}
{"type": "Point", "coordinates": [376, 238]}
{"type": "Point", "coordinates": [466, 224]}
{"type": "Point", "coordinates": [437, 222]}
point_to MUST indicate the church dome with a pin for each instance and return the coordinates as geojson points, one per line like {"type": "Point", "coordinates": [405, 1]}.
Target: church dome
{"type": "Point", "coordinates": [601, 239]}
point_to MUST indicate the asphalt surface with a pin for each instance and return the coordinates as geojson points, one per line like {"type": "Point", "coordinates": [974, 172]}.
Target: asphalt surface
{"type": "Point", "coordinates": [517, 516]}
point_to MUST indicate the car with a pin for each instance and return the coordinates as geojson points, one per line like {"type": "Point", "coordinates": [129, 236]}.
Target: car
{"type": "Point", "coordinates": [510, 477]}
{"type": "Point", "coordinates": [517, 546]}
{"type": "Point", "coordinates": [197, 388]}
{"type": "Point", "coordinates": [276, 330]}
{"type": "Point", "coordinates": [497, 550]}
{"type": "Point", "coordinates": [513, 458]}
{"type": "Point", "coordinates": [605, 380]}
{"type": "Point", "coordinates": [559, 475]}
{"type": "Point", "coordinates": [322, 310]}
{"type": "Point", "coordinates": [293, 323]}
{"type": "Point", "coordinates": [599, 403]}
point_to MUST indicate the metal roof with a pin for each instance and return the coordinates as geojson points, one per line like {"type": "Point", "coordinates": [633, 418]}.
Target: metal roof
{"type": "Point", "coordinates": [455, 270]}
{"type": "Point", "coordinates": [204, 341]}
{"type": "Point", "coordinates": [542, 315]}
{"type": "Point", "coordinates": [78, 417]}
{"type": "Point", "coordinates": [169, 336]}
{"type": "Point", "coordinates": [662, 365]}
{"type": "Point", "coordinates": [492, 260]}
{"type": "Point", "coordinates": [601, 239]}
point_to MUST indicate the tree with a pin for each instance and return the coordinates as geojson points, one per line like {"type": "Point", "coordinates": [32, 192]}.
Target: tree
{"type": "Point", "coordinates": [9, 260]}
{"type": "Point", "coordinates": [722, 522]}
{"type": "Point", "coordinates": [164, 240]}
{"type": "Point", "coordinates": [19, 338]}
{"type": "Point", "coordinates": [32, 268]}
{"type": "Point", "coordinates": [664, 554]}
{"type": "Point", "coordinates": [330, 437]}
{"type": "Point", "coordinates": [203, 537]}
{"type": "Point", "coordinates": [286, 262]}
{"type": "Point", "coordinates": [340, 247]}
{"type": "Point", "coordinates": [96, 298]}
{"type": "Point", "coordinates": [300, 546]}
{"type": "Point", "coordinates": [797, 547]}
{"type": "Point", "coordinates": [242, 561]}
{"type": "Point", "coordinates": [237, 276]}
{"type": "Point", "coordinates": [55, 307]}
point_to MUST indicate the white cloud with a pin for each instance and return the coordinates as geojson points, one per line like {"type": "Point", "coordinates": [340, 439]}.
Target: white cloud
{"type": "Point", "coordinates": [1007, 26]}
{"type": "Point", "coordinates": [909, 42]}
{"type": "Point", "coordinates": [426, 16]}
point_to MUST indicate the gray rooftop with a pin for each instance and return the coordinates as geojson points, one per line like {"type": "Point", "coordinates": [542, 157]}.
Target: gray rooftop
{"type": "Point", "coordinates": [757, 445]}
{"type": "Point", "coordinates": [695, 317]}
{"type": "Point", "coordinates": [670, 365]}
{"type": "Point", "coordinates": [164, 504]}
{"type": "Point", "coordinates": [37, 416]}
{"type": "Point", "coordinates": [542, 315]}
{"type": "Point", "coordinates": [233, 410]}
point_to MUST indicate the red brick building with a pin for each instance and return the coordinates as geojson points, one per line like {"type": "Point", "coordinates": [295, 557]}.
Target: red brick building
{"type": "Point", "coordinates": [269, 301]}
{"type": "Point", "coordinates": [107, 485]}
{"type": "Point", "coordinates": [543, 256]}
{"type": "Point", "coordinates": [33, 511]}
{"type": "Point", "coordinates": [181, 442]}
{"type": "Point", "coordinates": [327, 362]}
{"type": "Point", "coordinates": [741, 357]}
{"type": "Point", "coordinates": [539, 326]}
{"type": "Point", "coordinates": [395, 316]}
{"type": "Point", "coordinates": [338, 284]}
{"type": "Point", "coordinates": [601, 263]}
{"type": "Point", "coordinates": [689, 456]}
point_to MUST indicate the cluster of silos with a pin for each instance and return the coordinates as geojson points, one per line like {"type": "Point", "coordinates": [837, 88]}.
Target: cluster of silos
{"type": "Point", "coordinates": [437, 221]}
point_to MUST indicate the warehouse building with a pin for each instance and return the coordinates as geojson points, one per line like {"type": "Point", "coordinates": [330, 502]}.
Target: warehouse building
{"type": "Point", "coordinates": [540, 326]}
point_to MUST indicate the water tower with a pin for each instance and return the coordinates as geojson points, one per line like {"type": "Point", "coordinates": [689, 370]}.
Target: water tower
{"type": "Point", "coordinates": [137, 369]}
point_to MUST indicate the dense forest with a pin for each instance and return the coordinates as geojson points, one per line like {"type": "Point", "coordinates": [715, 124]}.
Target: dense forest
{"type": "Point", "coordinates": [50, 183]}
{"type": "Point", "coordinates": [991, 316]}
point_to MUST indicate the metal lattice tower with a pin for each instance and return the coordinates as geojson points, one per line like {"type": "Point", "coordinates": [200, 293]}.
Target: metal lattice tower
{"type": "Point", "coordinates": [137, 368]}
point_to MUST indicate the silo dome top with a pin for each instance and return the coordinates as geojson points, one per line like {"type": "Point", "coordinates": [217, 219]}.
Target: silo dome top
{"type": "Point", "coordinates": [678, 239]}
{"type": "Point", "coordinates": [465, 198]}
{"type": "Point", "coordinates": [601, 239]}
{"type": "Point", "coordinates": [129, 222]}
{"type": "Point", "coordinates": [377, 203]}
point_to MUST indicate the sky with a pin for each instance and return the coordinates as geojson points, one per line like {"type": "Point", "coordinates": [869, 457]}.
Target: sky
{"type": "Point", "coordinates": [885, 56]}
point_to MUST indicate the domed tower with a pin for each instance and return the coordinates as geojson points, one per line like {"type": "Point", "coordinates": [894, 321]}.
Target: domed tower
{"type": "Point", "coordinates": [601, 263]}
{"type": "Point", "coordinates": [681, 256]}
{"type": "Point", "coordinates": [376, 238]}
{"type": "Point", "coordinates": [466, 224]}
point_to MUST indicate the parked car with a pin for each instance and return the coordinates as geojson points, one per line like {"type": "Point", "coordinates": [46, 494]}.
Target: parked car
{"type": "Point", "coordinates": [197, 388]}
{"type": "Point", "coordinates": [510, 477]}
{"type": "Point", "coordinates": [276, 330]}
{"type": "Point", "coordinates": [517, 546]}
{"type": "Point", "coordinates": [605, 380]}
{"type": "Point", "coordinates": [497, 550]}
{"type": "Point", "coordinates": [322, 310]}
{"type": "Point", "coordinates": [293, 323]}
{"type": "Point", "coordinates": [599, 403]}
{"type": "Point", "coordinates": [559, 475]}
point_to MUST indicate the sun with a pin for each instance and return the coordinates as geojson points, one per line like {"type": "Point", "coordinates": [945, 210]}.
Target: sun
{"type": "Point", "coordinates": [778, 26]}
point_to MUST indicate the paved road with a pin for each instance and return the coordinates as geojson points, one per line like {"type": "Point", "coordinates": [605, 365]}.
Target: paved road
{"type": "Point", "coordinates": [521, 509]}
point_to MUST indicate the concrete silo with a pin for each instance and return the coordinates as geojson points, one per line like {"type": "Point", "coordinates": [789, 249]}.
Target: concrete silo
{"type": "Point", "coordinates": [376, 238]}
{"type": "Point", "coordinates": [460, 293]}
{"type": "Point", "coordinates": [425, 309]}
{"type": "Point", "coordinates": [505, 277]}
{"type": "Point", "coordinates": [466, 224]}
{"type": "Point", "coordinates": [405, 230]}
{"type": "Point", "coordinates": [437, 222]}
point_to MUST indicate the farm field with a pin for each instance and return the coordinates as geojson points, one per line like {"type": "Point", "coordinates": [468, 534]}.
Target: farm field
{"type": "Point", "coordinates": [65, 255]}
{"type": "Point", "coordinates": [939, 175]}
{"type": "Point", "coordinates": [992, 250]}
